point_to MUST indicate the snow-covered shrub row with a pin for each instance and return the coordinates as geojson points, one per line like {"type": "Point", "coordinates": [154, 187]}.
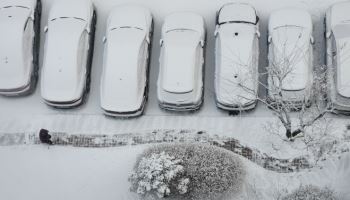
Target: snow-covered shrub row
{"type": "Point", "coordinates": [310, 192]}
{"type": "Point", "coordinates": [187, 171]}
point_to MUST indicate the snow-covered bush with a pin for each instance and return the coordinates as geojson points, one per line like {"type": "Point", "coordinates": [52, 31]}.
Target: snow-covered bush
{"type": "Point", "coordinates": [310, 192]}
{"type": "Point", "coordinates": [159, 174]}
{"type": "Point", "coordinates": [209, 172]}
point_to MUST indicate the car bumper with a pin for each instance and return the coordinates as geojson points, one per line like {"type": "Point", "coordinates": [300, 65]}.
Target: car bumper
{"type": "Point", "coordinates": [65, 104]}
{"type": "Point", "coordinates": [180, 107]}
{"type": "Point", "coordinates": [16, 91]}
{"type": "Point", "coordinates": [125, 114]}
{"type": "Point", "coordinates": [234, 107]}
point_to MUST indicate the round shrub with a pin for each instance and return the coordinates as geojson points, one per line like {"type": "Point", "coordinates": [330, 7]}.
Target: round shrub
{"type": "Point", "coordinates": [310, 192]}
{"type": "Point", "coordinates": [207, 172]}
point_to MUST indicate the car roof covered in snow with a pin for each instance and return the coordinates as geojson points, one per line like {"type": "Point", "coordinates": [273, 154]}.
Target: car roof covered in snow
{"type": "Point", "coordinates": [236, 64]}
{"type": "Point", "coordinates": [24, 3]}
{"type": "Point", "coordinates": [237, 12]}
{"type": "Point", "coordinates": [122, 74]}
{"type": "Point", "coordinates": [290, 17]}
{"type": "Point", "coordinates": [62, 65]}
{"type": "Point", "coordinates": [184, 20]}
{"type": "Point", "coordinates": [340, 13]}
{"type": "Point", "coordinates": [127, 15]}
{"type": "Point", "coordinates": [180, 48]}
{"type": "Point", "coordinates": [74, 8]}
{"type": "Point", "coordinates": [13, 68]}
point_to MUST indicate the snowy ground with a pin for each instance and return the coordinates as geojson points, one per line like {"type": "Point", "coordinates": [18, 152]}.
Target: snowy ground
{"type": "Point", "coordinates": [78, 173]}
{"type": "Point", "coordinates": [39, 172]}
{"type": "Point", "coordinates": [31, 114]}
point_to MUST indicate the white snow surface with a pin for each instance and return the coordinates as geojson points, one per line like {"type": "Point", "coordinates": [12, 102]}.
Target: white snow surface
{"type": "Point", "coordinates": [36, 172]}
{"type": "Point", "coordinates": [39, 172]}
{"type": "Point", "coordinates": [30, 113]}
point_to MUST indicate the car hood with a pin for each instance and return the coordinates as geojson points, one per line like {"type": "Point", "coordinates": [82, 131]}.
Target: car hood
{"type": "Point", "coordinates": [236, 71]}
{"type": "Point", "coordinates": [179, 63]}
{"type": "Point", "coordinates": [340, 13]}
{"type": "Point", "coordinates": [130, 16]}
{"type": "Point", "coordinates": [343, 67]}
{"type": "Point", "coordinates": [184, 20]}
{"type": "Point", "coordinates": [71, 8]}
{"type": "Point", "coordinates": [290, 17]}
{"type": "Point", "coordinates": [62, 70]}
{"type": "Point", "coordinates": [290, 48]}
{"type": "Point", "coordinates": [14, 71]}
{"type": "Point", "coordinates": [25, 3]}
{"type": "Point", "coordinates": [237, 12]}
{"type": "Point", "coordinates": [121, 87]}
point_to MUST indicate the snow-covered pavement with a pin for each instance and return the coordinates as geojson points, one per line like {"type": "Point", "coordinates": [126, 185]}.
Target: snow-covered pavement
{"type": "Point", "coordinates": [56, 173]}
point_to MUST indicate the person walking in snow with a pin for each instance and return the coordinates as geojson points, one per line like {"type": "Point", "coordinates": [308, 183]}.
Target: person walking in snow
{"type": "Point", "coordinates": [45, 137]}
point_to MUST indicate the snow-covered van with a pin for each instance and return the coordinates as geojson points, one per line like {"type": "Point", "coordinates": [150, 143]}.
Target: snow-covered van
{"type": "Point", "coordinates": [19, 42]}
{"type": "Point", "coordinates": [181, 73]}
{"type": "Point", "coordinates": [237, 57]}
{"type": "Point", "coordinates": [338, 53]}
{"type": "Point", "coordinates": [290, 70]}
{"type": "Point", "coordinates": [65, 76]}
{"type": "Point", "coordinates": [124, 81]}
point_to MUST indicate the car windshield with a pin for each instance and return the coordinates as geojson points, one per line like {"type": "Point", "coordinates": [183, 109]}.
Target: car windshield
{"type": "Point", "coordinates": [68, 18]}
{"type": "Point", "coordinates": [341, 31]}
{"type": "Point", "coordinates": [16, 6]}
{"type": "Point", "coordinates": [122, 27]}
{"type": "Point", "coordinates": [180, 30]}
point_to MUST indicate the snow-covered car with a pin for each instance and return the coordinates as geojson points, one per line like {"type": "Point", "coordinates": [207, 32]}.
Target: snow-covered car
{"type": "Point", "coordinates": [290, 70]}
{"type": "Point", "coordinates": [180, 82]}
{"type": "Point", "coordinates": [124, 82]}
{"type": "Point", "coordinates": [338, 53]}
{"type": "Point", "coordinates": [19, 46]}
{"type": "Point", "coordinates": [65, 77]}
{"type": "Point", "coordinates": [237, 57]}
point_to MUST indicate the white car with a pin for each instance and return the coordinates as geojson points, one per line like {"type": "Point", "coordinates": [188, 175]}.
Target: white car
{"type": "Point", "coordinates": [237, 57]}
{"type": "Point", "coordinates": [181, 73]}
{"type": "Point", "coordinates": [124, 82]}
{"type": "Point", "coordinates": [290, 70]}
{"type": "Point", "coordinates": [338, 53]}
{"type": "Point", "coordinates": [19, 46]}
{"type": "Point", "coordinates": [68, 54]}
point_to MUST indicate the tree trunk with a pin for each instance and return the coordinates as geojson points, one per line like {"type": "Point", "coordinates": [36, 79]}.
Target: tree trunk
{"type": "Point", "coordinates": [288, 133]}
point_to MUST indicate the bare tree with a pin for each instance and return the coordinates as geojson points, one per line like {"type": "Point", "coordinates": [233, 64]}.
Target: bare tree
{"type": "Point", "coordinates": [295, 110]}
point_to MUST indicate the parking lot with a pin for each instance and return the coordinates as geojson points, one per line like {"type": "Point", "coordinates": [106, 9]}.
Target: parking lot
{"type": "Point", "coordinates": [30, 113]}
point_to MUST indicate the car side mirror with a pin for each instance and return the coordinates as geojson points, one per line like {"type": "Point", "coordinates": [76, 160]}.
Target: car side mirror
{"type": "Point", "coordinates": [216, 30]}
{"type": "Point", "coordinates": [148, 40]}
{"type": "Point", "coordinates": [46, 29]}
{"type": "Point", "coordinates": [161, 42]}
{"type": "Point", "coordinates": [312, 40]}
{"type": "Point", "coordinates": [104, 39]}
{"type": "Point", "coordinates": [328, 34]}
{"type": "Point", "coordinates": [258, 34]}
{"type": "Point", "coordinates": [269, 39]}
{"type": "Point", "coordinates": [88, 30]}
{"type": "Point", "coordinates": [202, 43]}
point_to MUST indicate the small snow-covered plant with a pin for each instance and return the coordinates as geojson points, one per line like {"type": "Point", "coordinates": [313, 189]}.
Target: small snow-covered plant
{"type": "Point", "coordinates": [209, 172]}
{"type": "Point", "coordinates": [159, 174]}
{"type": "Point", "coordinates": [310, 192]}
